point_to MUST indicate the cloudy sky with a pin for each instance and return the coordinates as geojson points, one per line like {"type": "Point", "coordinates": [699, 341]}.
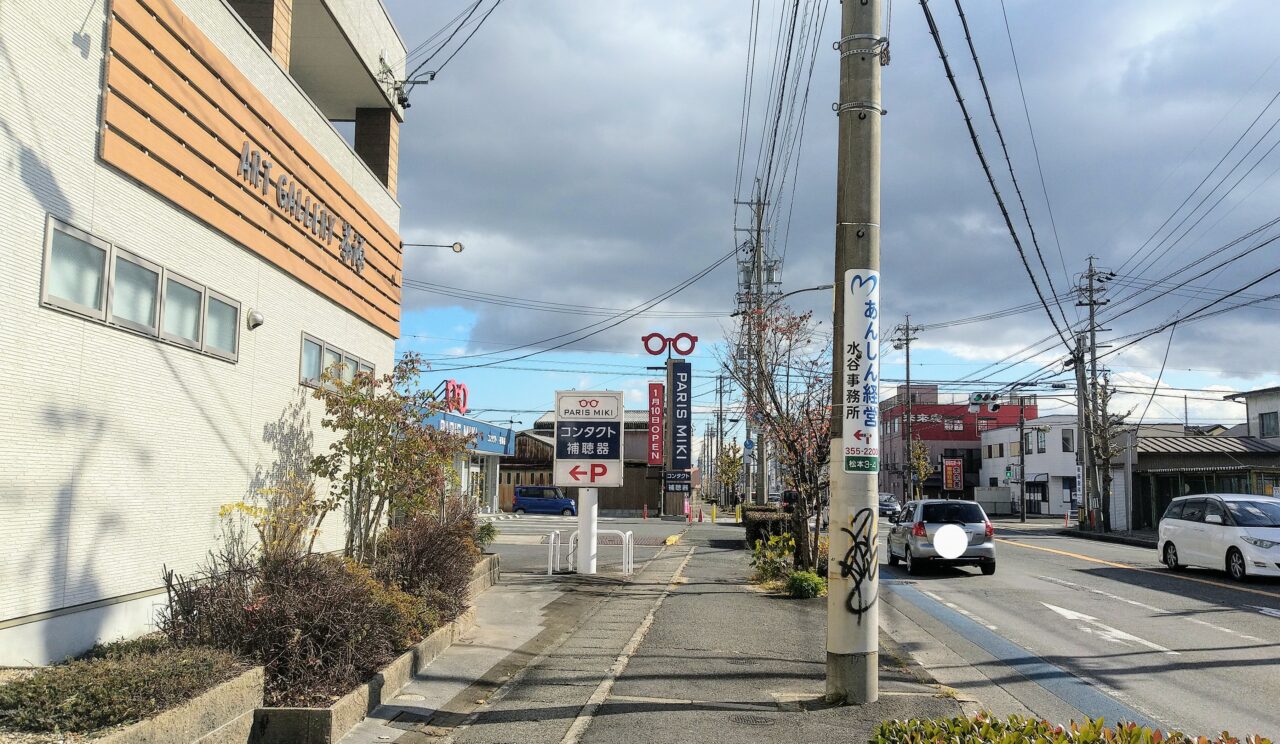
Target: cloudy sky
{"type": "Point", "coordinates": [586, 154]}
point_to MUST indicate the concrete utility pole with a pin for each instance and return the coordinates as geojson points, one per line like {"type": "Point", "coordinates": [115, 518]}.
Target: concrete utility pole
{"type": "Point", "coordinates": [903, 341]}
{"type": "Point", "coordinates": [1022, 455]}
{"type": "Point", "coordinates": [1093, 401]}
{"type": "Point", "coordinates": [757, 269]}
{"type": "Point", "coordinates": [719, 487]}
{"type": "Point", "coordinates": [853, 617]}
{"type": "Point", "coordinates": [1084, 454]}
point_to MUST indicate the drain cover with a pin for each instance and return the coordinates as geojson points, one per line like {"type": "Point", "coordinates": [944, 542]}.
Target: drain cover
{"type": "Point", "coordinates": [741, 662]}
{"type": "Point", "coordinates": [897, 582]}
{"type": "Point", "coordinates": [749, 720]}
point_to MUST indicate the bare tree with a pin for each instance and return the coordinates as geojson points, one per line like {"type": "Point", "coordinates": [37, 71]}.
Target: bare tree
{"type": "Point", "coordinates": [1108, 432]}
{"type": "Point", "coordinates": [788, 391]}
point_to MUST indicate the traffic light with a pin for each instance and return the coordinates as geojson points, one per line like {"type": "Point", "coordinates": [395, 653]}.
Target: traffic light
{"type": "Point", "coordinates": [1008, 471]}
{"type": "Point", "coordinates": [990, 400]}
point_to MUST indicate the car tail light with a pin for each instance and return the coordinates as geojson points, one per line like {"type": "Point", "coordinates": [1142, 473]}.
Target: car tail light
{"type": "Point", "coordinates": [917, 530]}
{"type": "Point", "coordinates": [991, 529]}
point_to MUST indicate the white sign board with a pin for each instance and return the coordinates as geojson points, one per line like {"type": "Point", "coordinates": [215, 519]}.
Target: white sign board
{"type": "Point", "coordinates": [861, 370]}
{"type": "Point", "coordinates": [588, 439]}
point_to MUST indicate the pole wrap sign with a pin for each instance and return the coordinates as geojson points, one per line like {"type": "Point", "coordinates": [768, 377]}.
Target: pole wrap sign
{"type": "Point", "coordinates": [681, 415]}
{"type": "Point", "coordinates": [861, 370]}
{"type": "Point", "coordinates": [657, 403]}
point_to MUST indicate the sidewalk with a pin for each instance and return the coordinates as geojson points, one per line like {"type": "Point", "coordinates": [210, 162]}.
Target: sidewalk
{"type": "Point", "coordinates": [686, 651]}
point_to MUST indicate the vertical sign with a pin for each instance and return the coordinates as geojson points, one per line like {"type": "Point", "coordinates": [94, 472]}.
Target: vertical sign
{"type": "Point", "coordinates": [861, 371]}
{"type": "Point", "coordinates": [680, 373]}
{"type": "Point", "coordinates": [656, 403]}
{"type": "Point", "coordinates": [952, 474]}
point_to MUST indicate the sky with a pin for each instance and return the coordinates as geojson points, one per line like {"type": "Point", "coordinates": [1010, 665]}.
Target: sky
{"type": "Point", "coordinates": [586, 153]}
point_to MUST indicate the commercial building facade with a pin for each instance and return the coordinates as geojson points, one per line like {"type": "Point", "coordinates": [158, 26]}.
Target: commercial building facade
{"type": "Point", "coordinates": [1049, 443]}
{"type": "Point", "coordinates": [188, 242]}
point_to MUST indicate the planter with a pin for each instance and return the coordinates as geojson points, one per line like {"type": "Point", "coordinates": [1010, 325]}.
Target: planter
{"type": "Point", "coordinates": [328, 725]}
{"type": "Point", "coordinates": [222, 715]}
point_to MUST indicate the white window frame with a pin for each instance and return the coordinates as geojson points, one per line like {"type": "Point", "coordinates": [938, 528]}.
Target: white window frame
{"type": "Point", "coordinates": [100, 314]}
{"type": "Point", "coordinates": [302, 360]}
{"type": "Point", "coordinates": [234, 355]}
{"type": "Point", "coordinates": [1274, 432]}
{"type": "Point", "coordinates": [164, 306]}
{"type": "Point", "coordinates": [134, 258]}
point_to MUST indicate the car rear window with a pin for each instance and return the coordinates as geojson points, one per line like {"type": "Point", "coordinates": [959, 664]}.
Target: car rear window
{"type": "Point", "coordinates": [960, 511]}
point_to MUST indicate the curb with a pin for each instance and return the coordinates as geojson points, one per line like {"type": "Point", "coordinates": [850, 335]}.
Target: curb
{"type": "Point", "coordinates": [220, 715]}
{"type": "Point", "coordinates": [1136, 542]}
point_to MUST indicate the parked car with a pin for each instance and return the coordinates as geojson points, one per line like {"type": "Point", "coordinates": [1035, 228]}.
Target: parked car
{"type": "Point", "coordinates": [774, 498]}
{"type": "Point", "coordinates": [1236, 532]}
{"type": "Point", "coordinates": [911, 534]}
{"type": "Point", "coordinates": [889, 505]}
{"type": "Point", "coordinates": [543, 500]}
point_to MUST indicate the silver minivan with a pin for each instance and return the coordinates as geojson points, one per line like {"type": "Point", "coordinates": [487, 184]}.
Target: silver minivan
{"type": "Point", "coordinates": [912, 530]}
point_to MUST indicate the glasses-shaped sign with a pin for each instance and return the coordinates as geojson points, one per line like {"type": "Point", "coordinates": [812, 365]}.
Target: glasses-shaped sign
{"type": "Point", "coordinates": [682, 343]}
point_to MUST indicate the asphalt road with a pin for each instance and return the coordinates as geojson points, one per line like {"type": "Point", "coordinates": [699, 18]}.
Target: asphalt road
{"type": "Point", "coordinates": [1070, 627]}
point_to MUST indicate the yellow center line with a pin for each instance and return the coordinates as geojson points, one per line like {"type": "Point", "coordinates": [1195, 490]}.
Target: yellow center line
{"type": "Point", "coordinates": [1160, 572]}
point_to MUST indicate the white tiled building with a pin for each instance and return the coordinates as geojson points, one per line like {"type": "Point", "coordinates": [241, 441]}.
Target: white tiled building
{"type": "Point", "coordinates": [166, 294]}
{"type": "Point", "coordinates": [1050, 443]}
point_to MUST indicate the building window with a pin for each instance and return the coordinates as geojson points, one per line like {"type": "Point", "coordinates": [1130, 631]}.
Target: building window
{"type": "Point", "coordinates": [94, 278]}
{"type": "Point", "coordinates": [993, 482]}
{"type": "Point", "coordinates": [1026, 442]}
{"type": "Point", "coordinates": [1040, 441]}
{"type": "Point", "coordinates": [1068, 440]}
{"type": "Point", "coordinates": [75, 276]}
{"type": "Point", "coordinates": [319, 357]}
{"type": "Point", "coordinates": [1000, 449]}
{"type": "Point", "coordinates": [1269, 424]}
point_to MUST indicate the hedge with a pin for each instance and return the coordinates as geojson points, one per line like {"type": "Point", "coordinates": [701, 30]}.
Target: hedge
{"type": "Point", "coordinates": [761, 524]}
{"type": "Point", "coordinates": [982, 729]}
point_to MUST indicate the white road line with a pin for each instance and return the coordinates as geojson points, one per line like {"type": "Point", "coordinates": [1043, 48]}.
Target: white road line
{"type": "Point", "coordinates": [1267, 611]}
{"type": "Point", "coordinates": [1106, 632]}
{"type": "Point", "coordinates": [958, 609]}
{"type": "Point", "coordinates": [1156, 610]}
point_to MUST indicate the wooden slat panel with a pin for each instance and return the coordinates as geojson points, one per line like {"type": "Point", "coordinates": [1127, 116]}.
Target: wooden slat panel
{"type": "Point", "coordinates": [126, 83]}
{"type": "Point", "coordinates": [169, 23]}
{"type": "Point", "coordinates": [116, 150]}
{"type": "Point", "coordinates": [123, 118]}
{"type": "Point", "coordinates": [199, 112]}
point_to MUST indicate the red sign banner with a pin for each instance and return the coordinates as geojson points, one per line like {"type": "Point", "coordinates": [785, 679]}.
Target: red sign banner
{"type": "Point", "coordinates": [952, 474]}
{"type": "Point", "coordinates": [657, 400]}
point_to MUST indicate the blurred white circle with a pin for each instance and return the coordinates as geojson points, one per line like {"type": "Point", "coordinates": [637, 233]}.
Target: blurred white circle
{"type": "Point", "coordinates": [950, 541]}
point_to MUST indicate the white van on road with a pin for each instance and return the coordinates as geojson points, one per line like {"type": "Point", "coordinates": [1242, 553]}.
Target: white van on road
{"type": "Point", "coordinates": [1236, 532]}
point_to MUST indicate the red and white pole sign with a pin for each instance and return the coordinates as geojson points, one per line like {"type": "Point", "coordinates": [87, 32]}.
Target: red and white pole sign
{"type": "Point", "coordinates": [588, 439]}
{"type": "Point", "coordinates": [657, 399]}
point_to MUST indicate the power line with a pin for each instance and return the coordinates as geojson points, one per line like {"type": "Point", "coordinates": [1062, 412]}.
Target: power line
{"type": "Point", "coordinates": [470, 12]}
{"type": "Point", "coordinates": [483, 18]}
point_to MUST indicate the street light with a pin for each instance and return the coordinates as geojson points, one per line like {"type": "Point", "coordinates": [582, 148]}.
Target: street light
{"type": "Point", "coordinates": [775, 300]}
{"type": "Point", "coordinates": [455, 247]}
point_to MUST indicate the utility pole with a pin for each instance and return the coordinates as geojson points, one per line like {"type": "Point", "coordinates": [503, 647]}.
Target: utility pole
{"type": "Point", "coordinates": [719, 436]}
{"type": "Point", "coordinates": [1022, 455]}
{"type": "Point", "coordinates": [903, 341]}
{"type": "Point", "coordinates": [853, 617]}
{"type": "Point", "coordinates": [1084, 451]}
{"type": "Point", "coordinates": [1093, 278]}
{"type": "Point", "coordinates": [761, 450]}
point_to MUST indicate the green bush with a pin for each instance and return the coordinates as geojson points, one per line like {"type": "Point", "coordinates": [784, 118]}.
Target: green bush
{"type": "Point", "coordinates": [805, 585]}
{"type": "Point", "coordinates": [772, 558]}
{"type": "Point", "coordinates": [981, 729]}
{"type": "Point", "coordinates": [116, 684]}
{"type": "Point", "coordinates": [486, 533]}
{"type": "Point", "coordinates": [431, 559]}
{"type": "Point", "coordinates": [762, 522]}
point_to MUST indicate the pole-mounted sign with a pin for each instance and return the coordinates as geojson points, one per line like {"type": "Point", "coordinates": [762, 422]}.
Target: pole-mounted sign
{"type": "Point", "coordinates": [588, 439]}
{"type": "Point", "coordinates": [861, 371]}
{"type": "Point", "coordinates": [952, 474]}
{"type": "Point", "coordinates": [656, 404]}
{"type": "Point", "coordinates": [680, 379]}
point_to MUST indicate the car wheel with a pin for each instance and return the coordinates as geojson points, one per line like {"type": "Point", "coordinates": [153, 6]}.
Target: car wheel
{"type": "Point", "coordinates": [1171, 557]}
{"type": "Point", "coordinates": [913, 567]}
{"type": "Point", "coordinates": [519, 511]}
{"type": "Point", "coordinates": [988, 568]}
{"type": "Point", "coordinates": [1235, 565]}
{"type": "Point", "coordinates": [567, 513]}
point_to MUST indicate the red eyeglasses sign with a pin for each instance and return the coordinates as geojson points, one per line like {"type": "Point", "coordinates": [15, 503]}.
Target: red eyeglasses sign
{"type": "Point", "coordinates": [681, 343]}
{"type": "Point", "coordinates": [455, 396]}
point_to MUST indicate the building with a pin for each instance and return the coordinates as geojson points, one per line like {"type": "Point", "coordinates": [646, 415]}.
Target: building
{"type": "Point", "coordinates": [1050, 444]}
{"type": "Point", "coordinates": [1262, 412]}
{"type": "Point", "coordinates": [199, 216]}
{"type": "Point", "coordinates": [947, 428]}
{"type": "Point", "coordinates": [479, 473]}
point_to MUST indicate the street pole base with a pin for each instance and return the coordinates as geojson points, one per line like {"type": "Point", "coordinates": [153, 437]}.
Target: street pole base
{"type": "Point", "coordinates": [853, 679]}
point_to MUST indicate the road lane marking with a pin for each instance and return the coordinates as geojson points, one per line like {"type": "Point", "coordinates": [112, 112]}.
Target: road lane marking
{"type": "Point", "coordinates": [1266, 610]}
{"type": "Point", "coordinates": [1090, 697]}
{"type": "Point", "coordinates": [1131, 567]}
{"type": "Point", "coordinates": [1106, 632]}
{"type": "Point", "coordinates": [958, 609]}
{"type": "Point", "coordinates": [1152, 608]}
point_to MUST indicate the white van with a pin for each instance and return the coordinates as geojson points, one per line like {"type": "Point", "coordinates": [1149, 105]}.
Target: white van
{"type": "Point", "coordinates": [1236, 532]}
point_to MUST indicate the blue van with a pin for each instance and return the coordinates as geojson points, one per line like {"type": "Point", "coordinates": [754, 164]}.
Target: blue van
{"type": "Point", "coordinates": [543, 500]}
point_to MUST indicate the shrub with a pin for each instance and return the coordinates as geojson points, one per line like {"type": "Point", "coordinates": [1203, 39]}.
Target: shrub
{"type": "Point", "coordinates": [805, 585]}
{"type": "Point", "coordinates": [116, 684]}
{"type": "Point", "coordinates": [772, 559]}
{"type": "Point", "coordinates": [431, 559]}
{"type": "Point", "coordinates": [981, 729]}
{"type": "Point", "coordinates": [824, 555]}
{"type": "Point", "coordinates": [486, 533]}
{"type": "Point", "coordinates": [761, 523]}
{"type": "Point", "coordinates": [209, 607]}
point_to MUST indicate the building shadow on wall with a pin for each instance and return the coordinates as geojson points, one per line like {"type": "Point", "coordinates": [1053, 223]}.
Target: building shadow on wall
{"type": "Point", "coordinates": [32, 170]}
